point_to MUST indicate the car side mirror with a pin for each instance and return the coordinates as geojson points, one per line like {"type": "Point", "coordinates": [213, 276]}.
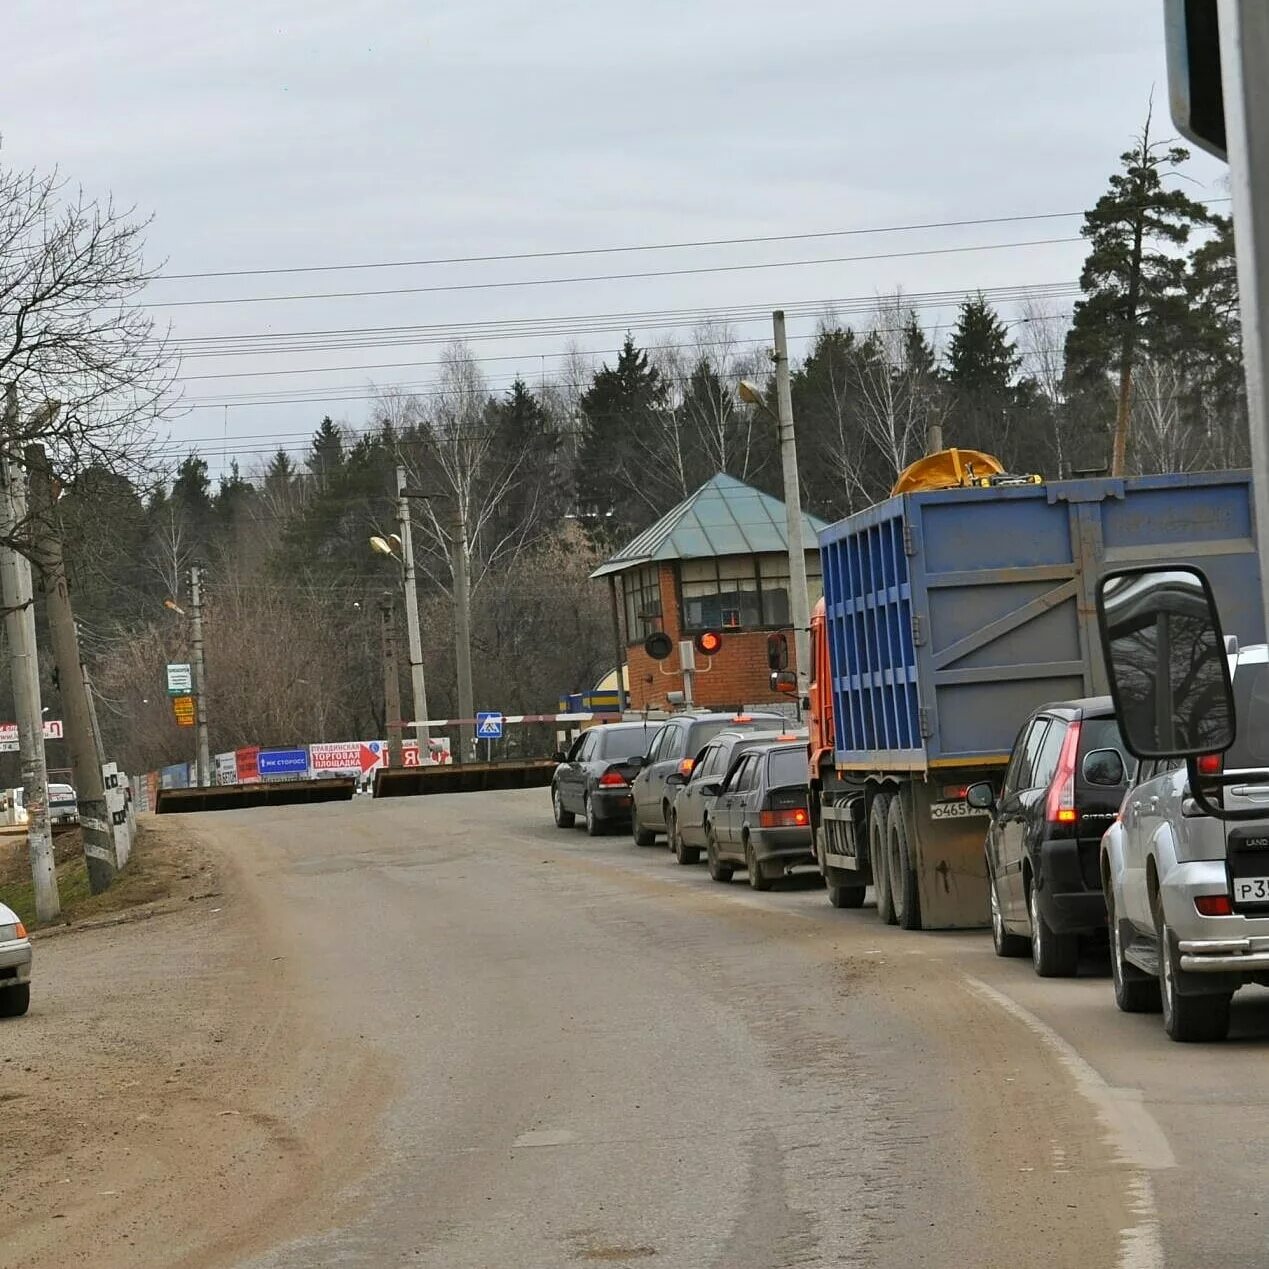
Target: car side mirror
{"type": "Point", "coordinates": [636, 762]}
{"type": "Point", "coordinates": [560, 756]}
{"type": "Point", "coordinates": [675, 778]}
{"type": "Point", "coordinates": [1104, 767]}
{"type": "Point", "coordinates": [1166, 660]}
{"type": "Point", "coordinates": [982, 797]}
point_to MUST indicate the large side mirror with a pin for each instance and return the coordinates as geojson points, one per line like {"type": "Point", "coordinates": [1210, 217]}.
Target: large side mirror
{"type": "Point", "coordinates": [1165, 656]}
{"type": "Point", "coordinates": [1105, 768]}
{"type": "Point", "coordinates": [982, 797]}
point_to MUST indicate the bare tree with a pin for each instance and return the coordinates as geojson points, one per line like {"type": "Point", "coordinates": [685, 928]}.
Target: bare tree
{"type": "Point", "coordinates": [71, 329]}
{"type": "Point", "coordinates": [1163, 441]}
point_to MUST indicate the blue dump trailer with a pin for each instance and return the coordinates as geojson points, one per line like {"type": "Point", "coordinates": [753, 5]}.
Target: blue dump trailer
{"type": "Point", "coordinates": [949, 616]}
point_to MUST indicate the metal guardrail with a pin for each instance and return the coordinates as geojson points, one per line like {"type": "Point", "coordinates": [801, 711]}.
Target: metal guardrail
{"type": "Point", "coordinates": [235, 797]}
{"type": "Point", "coordinates": [470, 777]}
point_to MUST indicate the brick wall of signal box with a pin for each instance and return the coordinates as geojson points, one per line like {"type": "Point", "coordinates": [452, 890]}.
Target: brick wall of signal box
{"type": "Point", "coordinates": [738, 675]}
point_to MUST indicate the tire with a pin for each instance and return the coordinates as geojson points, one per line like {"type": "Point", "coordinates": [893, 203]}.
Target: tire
{"type": "Point", "coordinates": [15, 1001]}
{"type": "Point", "coordinates": [903, 880]}
{"type": "Point", "coordinates": [641, 835]}
{"type": "Point", "coordinates": [843, 894]}
{"type": "Point", "coordinates": [595, 827]}
{"type": "Point", "coordinates": [877, 857]}
{"type": "Point", "coordinates": [1053, 955]}
{"type": "Point", "coordinates": [563, 818]}
{"type": "Point", "coordinates": [683, 853]}
{"type": "Point", "coordinates": [1006, 944]}
{"type": "Point", "coordinates": [1187, 1019]}
{"type": "Point", "coordinates": [1135, 992]}
{"type": "Point", "coordinates": [758, 880]}
{"type": "Point", "coordinates": [718, 871]}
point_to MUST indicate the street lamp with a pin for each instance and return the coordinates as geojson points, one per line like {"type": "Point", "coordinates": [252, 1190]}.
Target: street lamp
{"type": "Point", "coordinates": [799, 596]}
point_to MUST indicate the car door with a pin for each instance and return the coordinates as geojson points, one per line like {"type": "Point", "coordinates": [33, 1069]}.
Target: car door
{"type": "Point", "coordinates": [689, 807]}
{"type": "Point", "coordinates": [672, 751]}
{"type": "Point", "coordinates": [1015, 805]}
{"type": "Point", "coordinates": [1142, 820]}
{"type": "Point", "coordinates": [726, 809]}
{"type": "Point", "coordinates": [639, 790]}
{"type": "Point", "coordinates": [569, 778]}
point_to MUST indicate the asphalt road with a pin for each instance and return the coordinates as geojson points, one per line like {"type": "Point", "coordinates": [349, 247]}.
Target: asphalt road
{"type": "Point", "coordinates": [554, 1050]}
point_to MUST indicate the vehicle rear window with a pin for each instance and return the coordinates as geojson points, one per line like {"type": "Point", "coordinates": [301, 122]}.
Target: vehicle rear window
{"type": "Point", "coordinates": [702, 733]}
{"type": "Point", "coordinates": [1251, 713]}
{"type": "Point", "coordinates": [787, 766]}
{"type": "Point", "coordinates": [617, 746]}
{"type": "Point", "coordinates": [1101, 733]}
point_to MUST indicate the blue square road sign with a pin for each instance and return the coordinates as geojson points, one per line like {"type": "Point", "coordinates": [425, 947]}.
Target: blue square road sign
{"type": "Point", "coordinates": [489, 725]}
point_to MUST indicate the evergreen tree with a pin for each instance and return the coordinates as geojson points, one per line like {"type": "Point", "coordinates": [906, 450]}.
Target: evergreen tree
{"type": "Point", "coordinates": [981, 364]}
{"type": "Point", "coordinates": [532, 491]}
{"type": "Point", "coordinates": [326, 452]}
{"type": "Point", "coordinates": [1133, 277]}
{"type": "Point", "coordinates": [621, 403]}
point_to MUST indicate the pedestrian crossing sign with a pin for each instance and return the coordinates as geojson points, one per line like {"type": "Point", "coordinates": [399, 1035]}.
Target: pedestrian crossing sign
{"type": "Point", "coordinates": [489, 726]}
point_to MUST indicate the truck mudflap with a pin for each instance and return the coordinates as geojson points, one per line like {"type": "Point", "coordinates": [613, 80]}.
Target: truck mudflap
{"type": "Point", "coordinates": [951, 862]}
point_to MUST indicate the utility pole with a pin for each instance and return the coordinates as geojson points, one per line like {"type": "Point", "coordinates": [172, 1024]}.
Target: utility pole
{"type": "Point", "coordinates": [1244, 46]}
{"type": "Point", "coordinates": [200, 674]}
{"type": "Point", "coordinates": [619, 657]}
{"type": "Point", "coordinates": [391, 682]}
{"type": "Point", "coordinates": [86, 758]}
{"type": "Point", "coordinates": [19, 621]}
{"type": "Point", "coordinates": [799, 597]}
{"type": "Point", "coordinates": [92, 714]}
{"type": "Point", "coordinates": [459, 565]}
{"type": "Point", "coordinates": [418, 688]}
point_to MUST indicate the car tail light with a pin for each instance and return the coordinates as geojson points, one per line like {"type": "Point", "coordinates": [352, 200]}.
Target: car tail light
{"type": "Point", "coordinates": [796, 817]}
{"type": "Point", "coordinates": [1211, 764]}
{"type": "Point", "coordinates": [1060, 808]}
{"type": "Point", "coordinates": [1214, 905]}
{"type": "Point", "coordinates": [612, 780]}
{"type": "Point", "coordinates": [685, 767]}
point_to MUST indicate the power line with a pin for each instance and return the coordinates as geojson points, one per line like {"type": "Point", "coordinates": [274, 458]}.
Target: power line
{"type": "Point", "coordinates": [697, 271]}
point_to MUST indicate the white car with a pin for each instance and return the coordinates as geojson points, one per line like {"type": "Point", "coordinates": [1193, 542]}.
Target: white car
{"type": "Point", "coordinates": [15, 965]}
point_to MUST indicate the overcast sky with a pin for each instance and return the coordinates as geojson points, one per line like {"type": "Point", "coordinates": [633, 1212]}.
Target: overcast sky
{"type": "Point", "coordinates": [275, 134]}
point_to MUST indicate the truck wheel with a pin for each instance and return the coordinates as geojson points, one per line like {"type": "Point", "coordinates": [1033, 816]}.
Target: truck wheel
{"type": "Point", "coordinates": [641, 835]}
{"type": "Point", "coordinates": [844, 893]}
{"type": "Point", "coordinates": [15, 1001]}
{"type": "Point", "coordinates": [718, 871]}
{"type": "Point", "coordinates": [903, 878]}
{"type": "Point", "coordinates": [877, 857]}
{"type": "Point", "coordinates": [1188, 1019]}
{"type": "Point", "coordinates": [683, 853]}
{"type": "Point", "coordinates": [563, 818]}
{"type": "Point", "coordinates": [1006, 944]}
{"type": "Point", "coordinates": [1053, 955]}
{"type": "Point", "coordinates": [758, 880]}
{"type": "Point", "coordinates": [1135, 992]}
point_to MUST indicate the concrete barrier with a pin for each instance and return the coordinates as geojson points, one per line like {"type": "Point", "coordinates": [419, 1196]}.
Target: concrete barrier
{"type": "Point", "coordinates": [470, 777]}
{"type": "Point", "coordinates": [233, 797]}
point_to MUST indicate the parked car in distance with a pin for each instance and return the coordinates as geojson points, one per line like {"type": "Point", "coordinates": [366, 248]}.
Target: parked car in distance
{"type": "Point", "coordinates": [15, 965]}
{"type": "Point", "coordinates": [593, 778]}
{"type": "Point", "coordinates": [674, 748]}
{"type": "Point", "coordinates": [1187, 892]}
{"type": "Point", "coordinates": [1065, 780]}
{"type": "Point", "coordinates": [697, 791]}
{"type": "Point", "coordinates": [761, 819]}
{"type": "Point", "coordinates": [63, 806]}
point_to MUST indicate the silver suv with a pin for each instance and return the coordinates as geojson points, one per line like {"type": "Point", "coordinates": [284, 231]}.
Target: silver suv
{"type": "Point", "coordinates": [1187, 893]}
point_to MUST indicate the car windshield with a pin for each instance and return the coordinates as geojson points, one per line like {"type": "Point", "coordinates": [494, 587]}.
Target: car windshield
{"type": "Point", "coordinates": [625, 742]}
{"type": "Point", "coordinates": [1251, 713]}
{"type": "Point", "coordinates": [787, 766]}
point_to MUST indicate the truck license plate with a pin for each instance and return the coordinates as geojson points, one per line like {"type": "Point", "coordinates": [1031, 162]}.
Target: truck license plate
{"type": "Point", "coordinates": [1251, 890]}
{"type": "Point", "coordinates": [954, 811]}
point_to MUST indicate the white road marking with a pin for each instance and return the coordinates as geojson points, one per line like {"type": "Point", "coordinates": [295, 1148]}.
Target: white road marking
{"type": "Point", "coordinates": [1133, 1131]}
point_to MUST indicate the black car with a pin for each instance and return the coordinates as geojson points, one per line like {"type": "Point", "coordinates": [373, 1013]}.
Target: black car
{"type": "Point", "coordinates": [761, 821]}
{"type": "Point", "coordinates": [1066, 778]}
{"type": "Point", "coordinates": [674, 748]}
{"type": "Point", "coordinates": [593, 778]}
{"type": "Point", "coordinates": [697, 791]}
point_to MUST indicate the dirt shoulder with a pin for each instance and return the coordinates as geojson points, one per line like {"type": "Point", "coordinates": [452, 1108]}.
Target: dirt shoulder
{"type": "Point", "coordinates": [170, 1098]}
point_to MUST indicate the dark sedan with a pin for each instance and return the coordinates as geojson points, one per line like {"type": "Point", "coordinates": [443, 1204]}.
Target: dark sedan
{"type": "Point", "coordinates": [593, 778]}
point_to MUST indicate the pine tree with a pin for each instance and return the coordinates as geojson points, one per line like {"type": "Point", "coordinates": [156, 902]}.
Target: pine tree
{"type": "Point", "coordinates": [981, 364]}
{"type": "Point", "coordinates": [1133, 277]}
{"type": "Point", "coordinates": [326, 451]}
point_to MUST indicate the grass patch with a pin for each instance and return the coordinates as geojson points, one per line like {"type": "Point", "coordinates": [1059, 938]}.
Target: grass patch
{"type": "Point", "coordinates": [160, 867]}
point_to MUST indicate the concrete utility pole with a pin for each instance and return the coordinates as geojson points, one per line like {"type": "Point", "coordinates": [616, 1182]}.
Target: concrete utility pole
{"type": "Point", "coordinates": [799, 597]}
{"type": "Point", "coordinates": [418, 688]}
{"type": "Point", "coordinates": [1244, 38]}
{"type": "Point", "coordinates": [619, 652]}
{"type": "Point", "coordinates": [77, 713]}
{"type": "Point", "coordinates": [19, 621]}
{"type": "Point", "coordinates": [391, 682]}
{"type": "Point", "coordinates": [200, 675]}
{"type": "Point", "coordinates": [459, 564]}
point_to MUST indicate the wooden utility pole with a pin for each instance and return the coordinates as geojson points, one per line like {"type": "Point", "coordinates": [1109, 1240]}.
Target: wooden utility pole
{"type": "Point", "coordinates": [392, 683]}
{"type": "Point", "coordinates": [460, 566]}
{"type": "Point", "coordinates": [19, 623]}
{"type": "Point", "coordinates": [77, 714]}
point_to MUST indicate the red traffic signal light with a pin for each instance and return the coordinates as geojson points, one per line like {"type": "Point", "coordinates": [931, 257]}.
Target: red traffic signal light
{"type": "Point", "coordinates": [708, 643]}
{"type": "Point", "coordinates": [658, 645]}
